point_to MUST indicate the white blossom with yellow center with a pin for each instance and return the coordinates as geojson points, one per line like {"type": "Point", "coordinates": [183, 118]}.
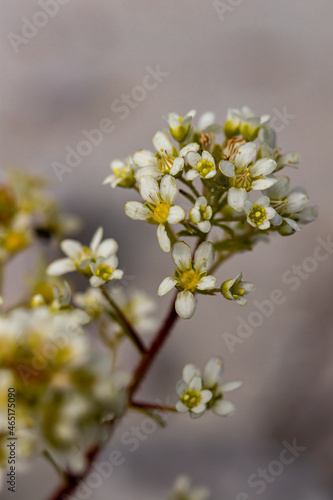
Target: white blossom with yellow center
{"type": "Point", "coordinates": [123, 173]}
{"type": "Point", "coordinates": [192, 397]}
{"type": "Point", "coordinates": [259, 213]}
{"type": "Point", "coordinates": [79, 257]}
{"type": "Point", "coordinates": [158, 207]}
{"type": "Point", "coordinates": [190, 276]}
{"type": "Point", "coordinates": [179, 126]}
{"type": "Point", "coordinates": [246, 174]}
{"type": "Point", "coordinates": [202, 165]}
{"type": "Point", "coordinates": [200, 214]}
{"type": "Point", "coordinates": [166, 161]}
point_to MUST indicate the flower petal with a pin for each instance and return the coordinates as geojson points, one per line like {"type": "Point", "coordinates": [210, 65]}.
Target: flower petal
{"type": "Point", "coordinates": [193, 158]}
{"type": "Point", "coordinates": [96, 239]}
{"type": "Point", "coordinates": [193, 146]}
{"type": "Point", "coordinates": [71, 248]}
{"type": "Point", "coordinates": [230, 386]}
{"type": "Point", "coordinates": [107, 247]}
{"type": "Point", "coordinates": [177, 166]}
{"type": "Point", "coordinates": [207, 283]}
{"type": "Point", "coordinates": [189, 372]}
{"type": "Point", "coordinates": [199, 409]}
{"type": "Point", "coordinates": [195, 384]}
{"type": "Point", "coordinates": [149, 189]}
{"type": "Point", "coordinates": [204, 256]}
{"type": "Point", "coordinates": [181, 255]}
{"type": "Point", "coordinates": [60, 266]}
{"type": "Point", "coordinates": [144, 158]}
{"type": "Point", "coordinates": [264, 166]}
{"type": "Point", "coordinates": [163, 238]}
{"type": "Point", "coordinates": [261, 184]}
{"type": "Point", "coordinates": [191, 175]}
{"type": "Point", "coordinates": [206, 396]}
{"type": "Point", "coordinates": [213, 371]}
{"type": "Point", "coordinates": [227, 168]}
{"type": "Point", "coordinates": [176, 214]}
{"type": "Point", "coordinates": [181, 408]}
{"type": "Point", "coordinates": [168, 189]}
{"type": "Point", "coordinates": [136, 210]}
{"type": "Point", "coordinates": [162, 142]}
{"type": "Point", "coordinates": [181, 387]}
{"type": "Point", "coordinates": [166, 285]}
{"type": "Point", "coordinates": [224, 408]}
{"type": "Point", "coordinates": [185, 305]}
{"type": "Point", "coordinates": [236, 198]}
{"type": "Point", "coordinates": [245, 155]}
{"type": "Point", "coordinates": [95, 281]}
{"type": "Point", "coordinates": [204, 226]}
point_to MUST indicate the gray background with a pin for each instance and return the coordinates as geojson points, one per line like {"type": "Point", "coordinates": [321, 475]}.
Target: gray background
{"type": "Point", "coordinates": [268, 55]}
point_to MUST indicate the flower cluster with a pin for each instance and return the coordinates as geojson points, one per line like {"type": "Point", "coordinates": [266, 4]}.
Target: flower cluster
{"type": "Point", "coordinates": [27, 212]}
{"type": "Point", "coordinates": [199, 393]}
{"type": "Point", "coordinates": [64, 390]}
{"type": "Point", "coordinates": [182, 490]}
{"type": "Point", "coordinates": [218, 178]}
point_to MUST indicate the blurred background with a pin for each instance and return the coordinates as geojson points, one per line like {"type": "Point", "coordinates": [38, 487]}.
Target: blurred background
{"type": "Point", "coordinates": [275, 57]}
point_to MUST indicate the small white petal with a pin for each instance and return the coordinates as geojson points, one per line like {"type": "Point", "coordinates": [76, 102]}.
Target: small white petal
{"type": "Point", "coordinates": [292, 223]}
{"type": "Point", "coordinates": [96, 239]}
{"type": "Point", "coordinates": [204, 256]}
{"type": "Point", "coordinates": [60, 266]}
{"type": "Point", "coordinates": [199, 409]}
{"type": "Point", "coordinates": [181, 408]}
{"type": "Point", "coordinates": [181, 387]}
{"type": "Point", "coordinates": [206, 396]}
{"type": "Point", "coordinates": [136, 210]}
{"type": "Point", "coordinates": [236, 198]}
{"type": "Point", "coordinates": [149, 189]}
{"type": "Point", "coordinates": [248, 205]}
{"type": "Point", "coordinates": [227, 168]}
{"type": "Point", "coordinates": [265, 225]}
{"type": "Point", "coordinates": [264, 166]}
{"type": "Point", "coordinates": [207, 283]}
{"type": "Point", "coordinates": [144, 158]}
{"type": "Point", "coordinates": [71, 248]}
{"type": "Point", "coordinates": [204, 226]}
{"type": "Point", "coordinates": [181, 255]}
{"type": "Point", "coordinates": [152, 171]}
{"type": "Point", "coordinates": [194, 146]}
{"type": "Point", "coordinates": [189, 372]}
{"type": "Point", "coordinates": [177, 166]}
{"type": "Point", "coordinates": [162, 142]}
{"type": "Point", "coordinates": [280, 189]}
{"type": "Point", "coordinates": [176, 214]}
{"type": "Point", "coordinates": [117, 274]}
{"type": "Point", "coordinates": [245, 155]}
{"type": "Point", "coordinates": [166, 285]}
{"type": "Point", "coordinates": [270, 213]}
{"type": "Point", "coordinates": [95, 281]}
{"type": "Point", "coordinates": [263, 201]}
{"type": "Point", "coordinates": [185, 305]}
{"type": "Point", "coordinates": [195, 384]}
{"type": "Point", "coordinates": [224, 408]}
{"type": "Point", "coordinates": [211, 174]}
{"type": "Point", "coordinates": [168, 189]}
{"type": "Point", "coordinates": [206, 119]}
{"type": "Point", "coordinates": [163, 238]}
{"type": "Point", "coordinates": [213, 371]}
{"type": "Point", "coordinates": [207, 156]}
{"type": "Point", "coordinates": [107, 247]}
{"type": "Point", "coordinates": [191, 175]}
{"type": "Point", "coordinates": [193, 158]}
{"type": "Point", "coordinates": [230, 386]}
{"type": "Point", "coordinates": [261, 184]}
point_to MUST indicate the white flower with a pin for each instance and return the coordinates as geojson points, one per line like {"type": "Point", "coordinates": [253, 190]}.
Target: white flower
{"type": "Point", "coordinates": [190, 276]}
{"type": "Point", "coordinates": [212, 374]}
{"type": "Point", "coordinates": [166, 160]}
{"type": "Point", "coordinates": [246, 174]}
{"type": "Point", "coordinates": [235, 289]}
{"type": "Point", "coordinates": [288, 204]}
{"type": "Point", "coordinates": [104, 269]}
{"type": "Point", "coordinates": [288, 160]}
{"type": "Point", "coordinates": [207, 124]}
{"type": "Point", "coordinates": [200, 214]}
{"type": "Point", "coordinates": [180, 126]}
{"type": "Point", "coordinates": [158, 207]}
{"type": "Point", "coordinates": [123, 173]}
{"type": "Point", "coordinates": [259, 213]}
{"type": "Point", "coordinates": [92, 301]}
{"type": "Point", "coordinates": [202, 165]}
{"type": "Point", "coordinates": [79, 256]}
{"type": "Point", "coordinates": [138, 308]}
{"type": "Point", "coordinates": [182, 490]}
{"type": "Point", "coordinates": [192, 398]}
{"type": "Point", "coordinates": [244, 122]}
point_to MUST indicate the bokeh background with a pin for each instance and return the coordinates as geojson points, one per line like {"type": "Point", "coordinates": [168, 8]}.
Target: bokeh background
{"type": "Point", "coordinates": [272, 56]}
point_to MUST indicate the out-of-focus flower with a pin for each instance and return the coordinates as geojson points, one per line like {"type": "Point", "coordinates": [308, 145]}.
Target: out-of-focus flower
{"type": "Point", "coordinates": [123, 173]}
{"type": "Point", "coordinates": [192, 397]}
{"type": "Point", "coordinates": [183, 490]}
